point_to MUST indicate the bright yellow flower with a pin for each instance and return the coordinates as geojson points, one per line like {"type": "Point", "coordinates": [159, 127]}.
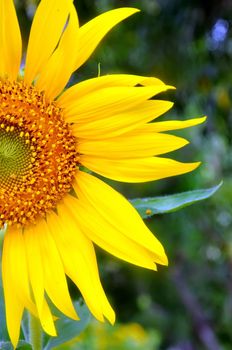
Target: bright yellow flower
{"type": "Point", "coordinates": [52, 209]}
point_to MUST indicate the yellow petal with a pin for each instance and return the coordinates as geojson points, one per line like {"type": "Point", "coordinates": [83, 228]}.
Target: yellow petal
{"type": "Point", "coordinates": [107, 236]}
{"type": "Point", "coordinates": [108, 102]}
{"type": "Point", "coordinates": [137, 170]}
{"type": "Point", "coordinates": [54, 277]}
{"type": "Point", "coordinates": [47, 320]}
{"type": "Point", "coordinates": [15, 281]}
{"type": "Point", "coordinates": [137, 145]}
{"type": "Point", "coordinates": [119, 124]}
{"type": "Point", "coordinates": [115, 210]}
{"type": "Point", "coordinates": [111, 80]}
{"type": "Point", "coordinates": [46, 30]}
{"type": "Point", "coordinates": [94, 31]}
{"type": "Point", "coordinates": [171, 125]}
{"type": "Point", "coordinates": [10, 40]}
{"type": "Point", "coordinates": [35, 267]}
{"type": "Point", "coordinates": [56, 73]}
{"type": "Point", "coordinates": [78, 256]}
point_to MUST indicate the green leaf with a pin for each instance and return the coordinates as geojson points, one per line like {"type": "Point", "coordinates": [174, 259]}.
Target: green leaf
{"type": "Point", "coordinates": [68, 329]}
{"type": "Point", "coordinates": [21, 346]}
{"type": "Point", "coordinates": [3, 328]}
{"type": "Point", "coordinates": [167, 204]}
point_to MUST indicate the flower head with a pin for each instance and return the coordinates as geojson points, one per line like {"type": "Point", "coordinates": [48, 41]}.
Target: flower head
{"type": "Point", "coordinates": [54, 211]}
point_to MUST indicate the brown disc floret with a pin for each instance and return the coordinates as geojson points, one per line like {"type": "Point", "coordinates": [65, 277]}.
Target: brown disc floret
{"type": "Point", "coordinates": [38, 157]}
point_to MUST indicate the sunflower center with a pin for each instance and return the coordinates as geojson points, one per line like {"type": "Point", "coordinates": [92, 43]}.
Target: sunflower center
{"type": "Point", "coordinates": [15, 156]}
{"type": "Point", "coordinates": [38, 157]}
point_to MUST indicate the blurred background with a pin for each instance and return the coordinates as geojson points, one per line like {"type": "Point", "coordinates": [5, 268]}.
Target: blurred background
{"type": "Point", "coordinates": [188, 305]}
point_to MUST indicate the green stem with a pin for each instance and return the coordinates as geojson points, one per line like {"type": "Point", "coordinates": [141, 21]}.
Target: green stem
{"type": "Point", "coordinates": [35, 333]}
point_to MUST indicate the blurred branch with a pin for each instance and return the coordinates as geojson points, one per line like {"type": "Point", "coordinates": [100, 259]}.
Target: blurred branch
{"type": "Point", "coordinates": [204, 331]}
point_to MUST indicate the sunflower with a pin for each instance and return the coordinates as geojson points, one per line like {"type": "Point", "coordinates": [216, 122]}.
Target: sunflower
{"type": "Point", "coordinates": [52, 210]}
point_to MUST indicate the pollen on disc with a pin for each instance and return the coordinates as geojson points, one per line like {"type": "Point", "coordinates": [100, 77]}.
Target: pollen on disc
{"type": "Point", "coordinates": [38, 157]}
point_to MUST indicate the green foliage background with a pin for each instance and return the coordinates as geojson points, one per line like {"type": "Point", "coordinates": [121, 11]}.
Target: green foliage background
{"type": "Point", "coordinates": [187, 44]}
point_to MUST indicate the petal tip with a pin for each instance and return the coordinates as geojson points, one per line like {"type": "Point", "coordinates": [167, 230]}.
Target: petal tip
{"type": "Point", "coordinates": [165, 260]}
{"type": "Point", "coordinates": [196, 165]}
{"type": "Point", "coordinates": [132, 9]}
{"type": "Point", "coordinates": [162, 259]}
{"type": "Point", "coordinates": [170, 87]}
{"type": "Point", "coordinates": [202, 119]}
{"type": "Point", "coordinates": [112, 317]}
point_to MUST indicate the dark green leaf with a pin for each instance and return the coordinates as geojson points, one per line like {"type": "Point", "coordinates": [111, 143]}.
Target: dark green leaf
{"type": "Point", "coordinates": [68, 329]}
{"type": "Point", "coordinates": [24, 345]}
{"type": "Point", "coordinates": [167, 204]}
{"type": "Point", "coordinates": [3, 329]}
{"type": "Point", "coordinates": [25, 327]}
{"type": "Point", "coordinates": [21, 346]}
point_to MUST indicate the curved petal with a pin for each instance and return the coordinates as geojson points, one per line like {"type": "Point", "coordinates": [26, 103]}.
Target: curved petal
{"type": "Point", "coordinates": [171, 125]}
{"type": "Point", "coordinates": [36, 275]}
{"type": "Point", "coordinates": [108, 102]}
{"type": "Point", "coordinates": [47, 26]}
{"type": "Point", "coordinates": [55, 283]}
{"type": "Point", "coordinates": [137, 145]}
{"type": "Point", "coordinates": [15, 281]}
{"type": "Point", "coordinates": [56, 73]}
{"type": "Point", "coordinates": [137, 170]}
{"type": "Point", "coordinates": [119, 124]}
{"type": "Point", "coordinates": [112, 80]}
{"type": "Point", "coordinates": [79, 261]}
{"type": "Point", "coordinates": [107, 236]}
{"type": "Point", "coordinates": [139, 142]}
{"type": "Point", "coordinates": [10, 40]}
{"type": "Point", "coordinates": [94, 31]}
{"type": "Point", "coordinates": [117, 212]}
